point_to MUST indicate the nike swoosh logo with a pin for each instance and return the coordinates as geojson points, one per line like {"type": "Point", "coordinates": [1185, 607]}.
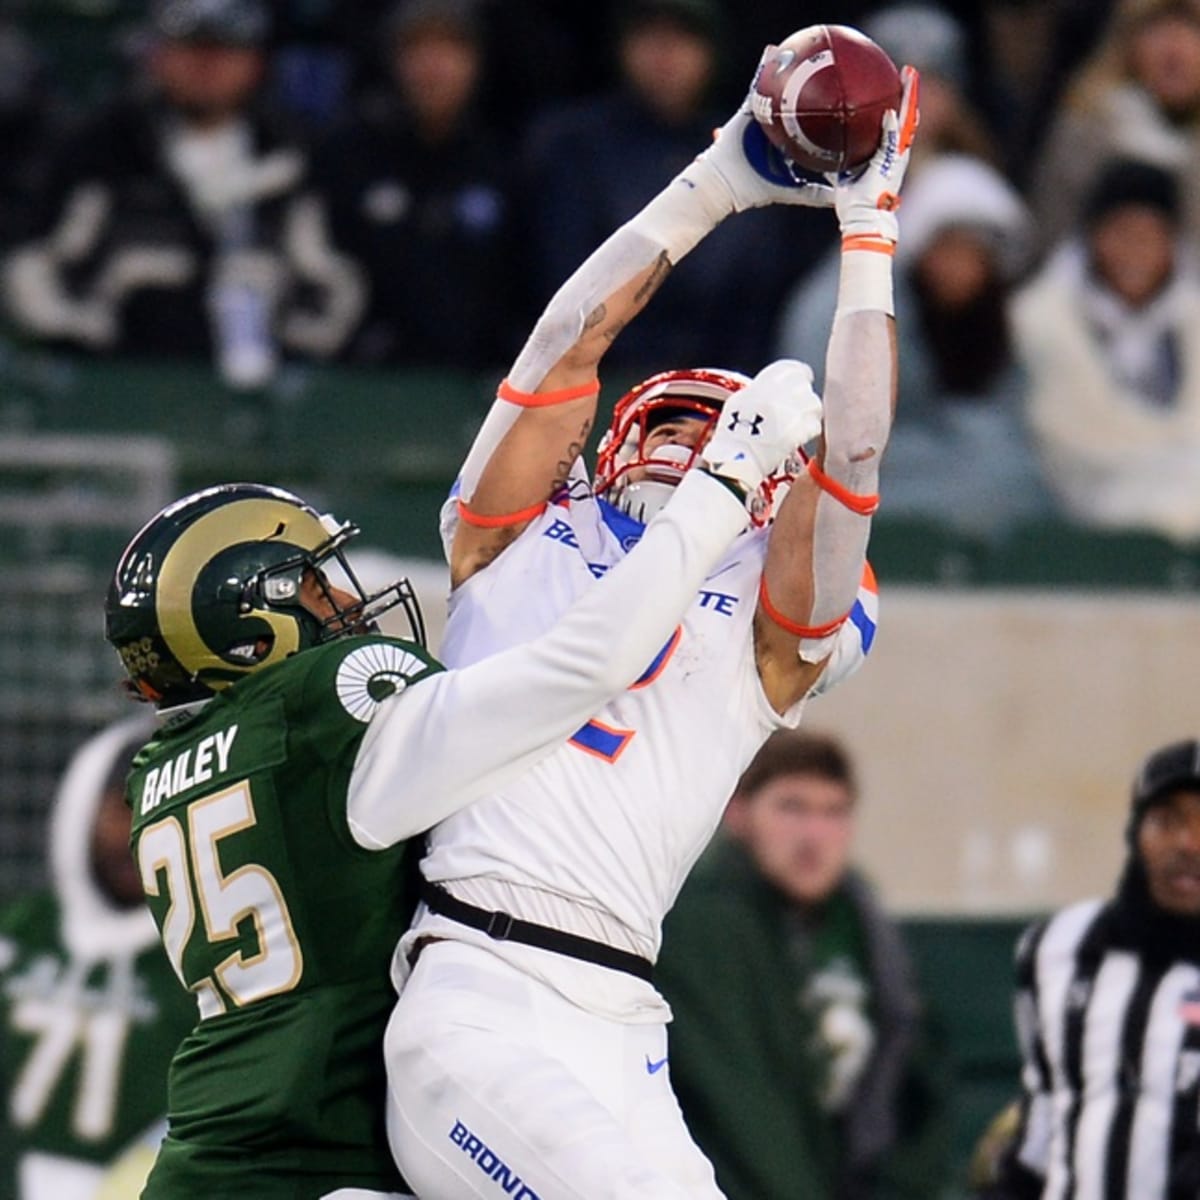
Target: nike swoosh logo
{"type": "Point", "coordinates": [653, 1068]}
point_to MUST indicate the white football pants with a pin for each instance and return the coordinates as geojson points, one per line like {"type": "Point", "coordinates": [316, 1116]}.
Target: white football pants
{"type": "Point", "coordinates": [499, 1087]}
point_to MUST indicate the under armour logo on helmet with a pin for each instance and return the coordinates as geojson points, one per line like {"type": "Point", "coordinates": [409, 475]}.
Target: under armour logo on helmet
{"type": "Point", "coordinates": [736, 419]}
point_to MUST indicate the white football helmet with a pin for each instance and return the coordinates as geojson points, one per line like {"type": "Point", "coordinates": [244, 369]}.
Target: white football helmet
{"type": "Point", "coordinates": [696, 394]}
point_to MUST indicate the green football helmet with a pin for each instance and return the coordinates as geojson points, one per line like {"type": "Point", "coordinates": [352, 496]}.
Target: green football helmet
{"type": "Point", "coordinates": [211, 590]}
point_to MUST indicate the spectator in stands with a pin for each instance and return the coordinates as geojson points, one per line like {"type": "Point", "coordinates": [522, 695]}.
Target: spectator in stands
{"type": "Point", "coordinates": [418, 192]}
{"type": "Point", "coordinates": [1108, 1014]}
{"type": "Point", "coordinates": [798, 1048]}
{"type": "Point", "coordinates": [594, 165]}
{"type": "Point", "coordinates": [1028, 53]}
{"type": "Point", "coordinates": [960, 453]}
{"type": "Point", "coordinates": [929, 38]}
{"type": "Point", "coordinates": [537, 51]}
{"type": "Point", "coordinates": [1109, 332]}
{"type": "Point", "coordinates": [170, 224]}
{"type": "Point", "coordinates": [1137, 96]}
{"type": "Point", "coordinates": [90, 1010]}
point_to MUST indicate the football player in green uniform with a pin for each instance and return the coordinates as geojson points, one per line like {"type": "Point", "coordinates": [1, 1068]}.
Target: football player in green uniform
{"type": "Point", "coordinates": [299, 754]}
{"type": "Point", "coordinates": [90, 1011]}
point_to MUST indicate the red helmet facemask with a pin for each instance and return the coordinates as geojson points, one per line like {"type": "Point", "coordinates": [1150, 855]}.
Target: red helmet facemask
{"type": "Point", "coordinates": [692, 395]}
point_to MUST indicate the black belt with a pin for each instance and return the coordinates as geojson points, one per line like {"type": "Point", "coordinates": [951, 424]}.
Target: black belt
{"type": "Point", "coordinates": [506, 928]}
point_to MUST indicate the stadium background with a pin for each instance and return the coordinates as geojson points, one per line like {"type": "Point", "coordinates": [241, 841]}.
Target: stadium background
{"type": "Point", "coordinates": [1014, 684]}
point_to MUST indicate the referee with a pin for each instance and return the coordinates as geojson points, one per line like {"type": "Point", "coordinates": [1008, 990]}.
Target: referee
{"type": "Point", "coordinates": [1108, 1017]}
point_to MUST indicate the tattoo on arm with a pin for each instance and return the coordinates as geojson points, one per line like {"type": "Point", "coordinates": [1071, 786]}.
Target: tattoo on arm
{"type": "Point", "coordinates": [650, 285]}
{"type": "Point", "coordinates": [598, 316]}
{"type": "Point", "coordinates": [595, 316]}
{"type": "Point", "coordinates": [653, 281]}
{"type": "Point", "coordinates": [660, 269]}
{"type": "Point", "coordinates": [562, 469]}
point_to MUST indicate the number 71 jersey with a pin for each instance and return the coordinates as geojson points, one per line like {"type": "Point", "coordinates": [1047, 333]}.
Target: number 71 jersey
{"type": "Point", "coordinates": [84, 1046]}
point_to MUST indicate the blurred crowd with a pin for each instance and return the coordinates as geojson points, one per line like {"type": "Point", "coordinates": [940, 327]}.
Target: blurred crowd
{"type": "Point", "coordinates": [245, 183]}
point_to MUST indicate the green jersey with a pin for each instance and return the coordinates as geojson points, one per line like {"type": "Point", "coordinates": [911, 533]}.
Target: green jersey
{"type": "Point", "coordinates": [280, 923]}
{"type": "Point", "coordinates": [797, 1052]}
{"type": "Point", "coordinates": [84, 1048]}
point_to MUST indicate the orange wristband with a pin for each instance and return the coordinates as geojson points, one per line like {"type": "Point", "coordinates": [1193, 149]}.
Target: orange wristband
{"type": "Point", "coordinates": [506, 391]}
{"type": "Point", "coordinates": [865, 241]}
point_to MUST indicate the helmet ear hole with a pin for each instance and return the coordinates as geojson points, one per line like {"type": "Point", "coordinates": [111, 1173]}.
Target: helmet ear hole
{"type": "Point", "coordinates": [250, 651]}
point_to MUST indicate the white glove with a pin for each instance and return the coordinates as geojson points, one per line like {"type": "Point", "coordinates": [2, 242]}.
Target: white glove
{"type": "Point", "coordinates": [866, 200]}
{"type": "Point", "coordinates": [753, 171]}
{"type": "Point", "coordinates": [761, 426]}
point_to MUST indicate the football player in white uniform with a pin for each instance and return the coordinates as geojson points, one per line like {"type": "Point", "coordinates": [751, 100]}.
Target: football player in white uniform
{"type": "Point", "coordinates": [528, 1047]}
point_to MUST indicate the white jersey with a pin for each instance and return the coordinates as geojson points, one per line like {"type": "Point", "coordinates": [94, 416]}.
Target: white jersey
{"type": "Point", "coordinates": [598, 838]}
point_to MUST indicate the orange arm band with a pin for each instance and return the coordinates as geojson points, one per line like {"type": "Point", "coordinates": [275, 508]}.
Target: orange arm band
{"type": "Point", "coordinates": [800, 631]}
{"type": "Point", "coordinates": [481, 522]}
{"type": "Point", "coordinates": [506, 391]}
{"type": "Point", "coordinates": [865, 506]}
{"type": "Point", "coordinates": [866, 241]}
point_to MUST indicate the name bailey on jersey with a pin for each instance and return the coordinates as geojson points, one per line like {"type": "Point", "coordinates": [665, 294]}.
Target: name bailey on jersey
{"type": "Point", "coordinates": [184, 771]}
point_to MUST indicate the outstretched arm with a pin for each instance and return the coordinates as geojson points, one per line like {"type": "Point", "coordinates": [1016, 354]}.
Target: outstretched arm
{"type": "Point", "coordinates": [545, 408]}
{"type": "Point", "coordinates": [817, 554]}
{"type": "Point", "coordinates": [459, 734]}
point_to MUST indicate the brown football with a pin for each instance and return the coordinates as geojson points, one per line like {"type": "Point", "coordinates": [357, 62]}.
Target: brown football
{"type": "Point", "coordinates": [820, 96]}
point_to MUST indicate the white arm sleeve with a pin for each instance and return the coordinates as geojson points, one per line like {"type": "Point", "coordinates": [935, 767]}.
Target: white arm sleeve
{"type": "Point", "coordinates": [859, 383]}
{"type": "Point", "coordinates": [683, 213]}
{"type": "Point", "coordinates": [619, 259]}
{"type": "Point", "coordinates": [458, 735]}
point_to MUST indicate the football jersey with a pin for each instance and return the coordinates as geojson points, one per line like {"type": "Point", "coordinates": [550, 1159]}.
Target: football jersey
{"type": "Point", "coordinates": [85, 1041]}
{"type": "Point", "coordinates": [280, 924]}
{"type": "Point", "coordinates": [597, 839]}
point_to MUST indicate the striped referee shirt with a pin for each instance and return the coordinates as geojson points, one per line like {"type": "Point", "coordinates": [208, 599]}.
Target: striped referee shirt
{"type": "Point", "coordinates": [1110, 1042]}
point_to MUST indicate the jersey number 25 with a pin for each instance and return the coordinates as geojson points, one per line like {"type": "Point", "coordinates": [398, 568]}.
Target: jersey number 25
{"type": "Point", "coordinates": [191, 866]}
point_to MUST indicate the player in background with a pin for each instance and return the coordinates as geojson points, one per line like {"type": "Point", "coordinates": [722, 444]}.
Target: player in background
{"type": "Point", "coordinates": [297, 755]}
{"type": "Point", "coordinates": [90, 1012]}
{"type": "Point", "coordinates": [1107, 1011]}
{"type": "Point", "coordinates": [528, 1046]}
